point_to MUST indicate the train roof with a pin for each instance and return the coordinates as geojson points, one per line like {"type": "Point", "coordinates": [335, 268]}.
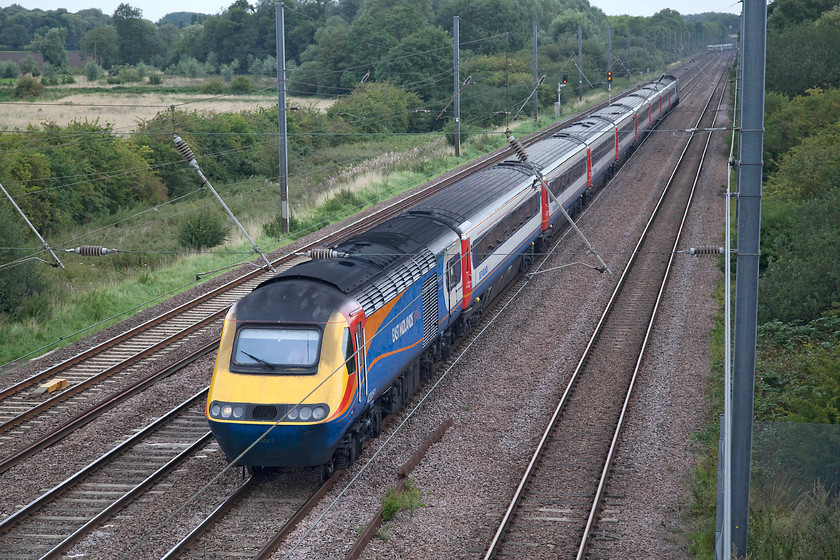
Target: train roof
{"type": "Point", "coordinates": [550, 150]}
{"type": "Point", "coordinates": [381, 262]}
{"type": "Point", "coordinates": [461, 202]}
{"type": "Point", "coordinates": [298, 302]}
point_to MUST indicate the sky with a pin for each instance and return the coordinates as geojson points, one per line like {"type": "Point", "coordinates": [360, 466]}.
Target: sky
{"type": "Point", "coordinates": [156, 9]}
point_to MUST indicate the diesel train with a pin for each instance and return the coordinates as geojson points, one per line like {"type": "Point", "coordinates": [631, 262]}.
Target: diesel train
{"type": "Point", "coordinates": [312, 360]}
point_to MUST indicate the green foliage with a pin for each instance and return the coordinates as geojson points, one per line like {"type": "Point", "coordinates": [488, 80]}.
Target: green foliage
{"type": "Point", "coordinates": [395, 502]}
{"type": "Point", "coordinates": [800, 279]}
{"type": "Point", "coordinates": [810, 169]}
{"type": "Point", "coordinates": [101, 43]}
{"type": "Point", "coordinates": [235, 156]}
{"type": "Point", "coordinates": [802, 56]}
{"type": "Point", "coordinates": [377, 107]}
{"type": "Point", "coordinates": [137, 38]}
{"type": "Point", "coordinates": [797, 378]}
{"type": "Point", "coordinates": [240, 84]}
{"type": "Point", "coordinates": [421, 54]}
{"type": "Point", "coordinates": [263, 66]}
{"type": "Point", "coordinates": [189, 66]}
{"type": "Point", "coordinates": [9, 69]}
{"type": "Point", "coordinates": [93, 71]}
{"type": "Point", "coordinates": [789, 121]}
{"type": "Point", "coordinates": [212, 87]}
{"type": "Point", "coordinates": [29, 66]}
{"type": "Point", "coordinates": [226, 71]}
{"type": "Point", "coordinates": [787, 13]}
{"type": "Point", "coordinates": [155, 79]}
{"type": "Point", "coordinates": [31, 175]}
{"type": "Point", "coordinates": [28, 87]}
{"type": "Point", "coordinates": [51, 46]}
{"type": "Point", "coordinates": [806, 527]}
{"type": "Point", "coordinates": [21, 281]}
{"type": "Point", "coordinates": [203, 229]}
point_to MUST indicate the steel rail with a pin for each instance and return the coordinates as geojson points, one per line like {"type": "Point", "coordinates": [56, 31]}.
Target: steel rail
{"type": "Point", "coordinates": [614, 443]}
{"type": "Point", "coordinates": [518, 493]}
{"type": "Point", "coordinates": [93, 413]}
{"type": "Point", "coordinates": [99, 466]}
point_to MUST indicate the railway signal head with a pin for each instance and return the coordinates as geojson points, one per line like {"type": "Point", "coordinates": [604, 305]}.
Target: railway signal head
{"type": "Point", "coordinates": [565, 79]}
{"type": "Point", "coordinates": [609, 76]}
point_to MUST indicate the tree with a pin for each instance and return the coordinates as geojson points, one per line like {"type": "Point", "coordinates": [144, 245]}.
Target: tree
{"type": "Point", "coordinates": [101, 44]}
{"type": "Point", "coordinates": [137, 38]}
{"type": "Point", "coordinates": [377, 107]}
{"type": "Point", "coordinates": [787, 13]}
{"type": "Point", "coordinates": [500, 24]}
{"type": "Point", "coordinates": [233, 34]}
{"type": "Point", "coordinates": [18, 282]}
{"type": "Point", "coordinates": [423, 54]}
{"type": "Point", "coordinates": [51, 47]}
{"type": "Point", "coordinates": [802, 56]}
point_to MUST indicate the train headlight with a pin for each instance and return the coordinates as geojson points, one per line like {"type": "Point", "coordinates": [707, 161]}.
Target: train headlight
{"type": "Point", "coordinates": [293, 414]}
{"type": "Point", "coordinates": [238, 412]}
{"type": "Point", "coordinates": [305, 413]}
{"type": "Point", "coordinates": [227, 411]}
{"type": "Point", "coordinates": [215, 410]}
{"type": "Point", "coordinates": [319, 413]}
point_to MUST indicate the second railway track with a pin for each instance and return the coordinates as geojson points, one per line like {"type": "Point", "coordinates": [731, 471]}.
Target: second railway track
{"type": "Point", "coordinates": [559, 499]}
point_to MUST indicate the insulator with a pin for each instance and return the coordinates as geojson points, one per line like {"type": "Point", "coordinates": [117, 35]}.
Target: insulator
{"type": "Point", "coordinates": [184, 149]}
{"type": "Point", "coordinates": [325, 254]}
{"type": "Point", "coordinates": [517, 147]}
{"type": "Point", "coordinates": [706, 251]}
{"type": "Point", "coordinates": [91, 251]}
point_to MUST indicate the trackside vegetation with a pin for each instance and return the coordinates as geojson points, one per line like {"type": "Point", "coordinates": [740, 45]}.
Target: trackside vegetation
{"type": "Point", "coordinates": [795, 498]}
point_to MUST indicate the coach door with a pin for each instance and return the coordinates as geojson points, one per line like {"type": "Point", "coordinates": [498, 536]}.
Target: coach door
{"type": "Point", "coordinates": [454, 287]}
{"type": "Point", "coordinates": [361, 362]}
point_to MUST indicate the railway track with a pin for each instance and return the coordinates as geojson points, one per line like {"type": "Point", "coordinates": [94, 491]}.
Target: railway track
{"type": "Point", "coordinates": [567, 499]}
{"type": "Point", "coordinates": [155, 340]}
{"type": "Point", "coordinates": [50, 525]}
{"type": "Point", "coordinates": [240, 528]}
{"type": "Point", "coordinates": [38, 411]}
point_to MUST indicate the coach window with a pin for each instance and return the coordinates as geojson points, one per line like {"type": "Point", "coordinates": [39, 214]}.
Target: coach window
{"type": "Point", "coordinates": [453, 275]}
{"type": "Point", "coordinates": [349, 354]}
{"type": "Point", "coordinates": [478, 252]}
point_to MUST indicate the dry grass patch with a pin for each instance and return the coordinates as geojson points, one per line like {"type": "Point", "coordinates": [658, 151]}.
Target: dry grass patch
{"type": "Point", "coordinates": [126, 111]}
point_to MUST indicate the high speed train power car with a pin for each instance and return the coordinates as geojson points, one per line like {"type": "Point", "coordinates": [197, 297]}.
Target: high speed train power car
{"type": "Point", "coordinates": [313, 359]}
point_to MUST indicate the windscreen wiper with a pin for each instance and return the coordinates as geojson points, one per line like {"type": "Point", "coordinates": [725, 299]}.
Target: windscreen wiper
{"type": "Point", "coordinates": [260, 360]}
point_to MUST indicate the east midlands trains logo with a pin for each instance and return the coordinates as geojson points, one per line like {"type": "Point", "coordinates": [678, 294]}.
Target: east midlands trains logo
{"type": "Point", "coordinates": [405, 325]}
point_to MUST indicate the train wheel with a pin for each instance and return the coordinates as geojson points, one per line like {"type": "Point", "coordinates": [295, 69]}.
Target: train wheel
{"type": "Point", "coordinates": [327, 470]}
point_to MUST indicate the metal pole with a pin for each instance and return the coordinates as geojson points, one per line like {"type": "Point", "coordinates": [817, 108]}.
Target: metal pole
{"type": "Point", "coordinates": [536, 76]}
{"type": "Point", "coordinates": [457, 32]}
{"type": "Point", "coordinates": [282, 148]}
{"type": "Point", "coordinates": [609, 62]}
{"type": "Point", "coordinates": [654, 51]}
{"type": "Point", "coordinates": [44, 244]}
{"type": "Point", "coordinates": [627, 55]}
{"type": "Point", "coordinates": [746, 278]}
{"type": "Point", "coordinates": [580, 63]}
